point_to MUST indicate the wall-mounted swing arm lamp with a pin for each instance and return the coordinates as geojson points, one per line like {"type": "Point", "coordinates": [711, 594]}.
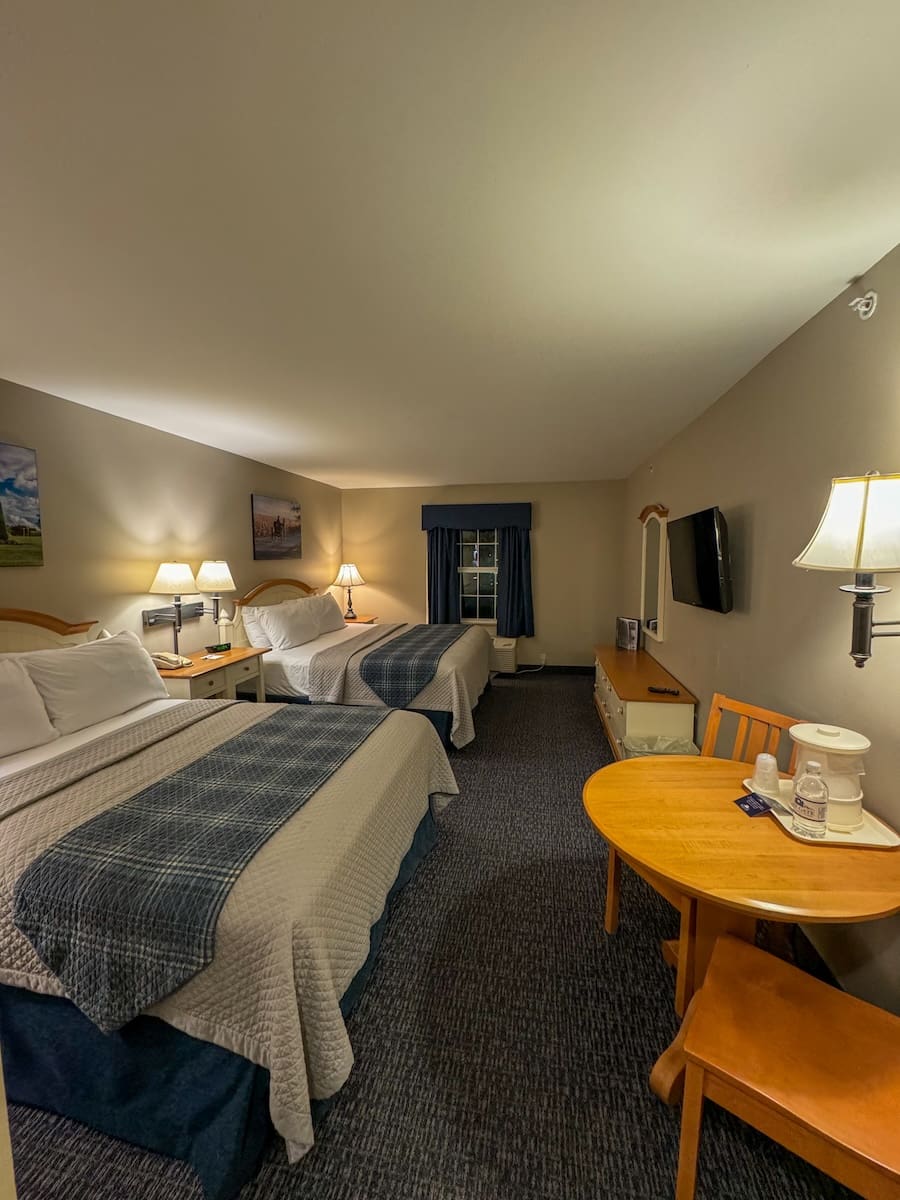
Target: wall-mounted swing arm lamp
{"type": "Point", "coordinates": [214, 578]}
{"type": "Point", "coordinates": [860, 532]}
{"type": "Point", "coordinates": [173, 579]}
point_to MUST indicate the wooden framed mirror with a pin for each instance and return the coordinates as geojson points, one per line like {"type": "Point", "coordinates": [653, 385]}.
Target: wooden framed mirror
{"type": "Point", "coordinates": [654, 548]}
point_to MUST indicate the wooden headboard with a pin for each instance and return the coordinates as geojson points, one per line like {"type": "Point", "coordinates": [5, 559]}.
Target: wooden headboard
{"type": "Point", "coordinates": [271, 591]}
{"type": "Point", "coordinates": [21, 630]}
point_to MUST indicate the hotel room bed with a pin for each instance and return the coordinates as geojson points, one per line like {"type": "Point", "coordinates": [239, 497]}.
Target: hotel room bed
{"type": "Point", "coordinates": [329, 668]}
{"type": "Point", "coordinates": [295, 931]}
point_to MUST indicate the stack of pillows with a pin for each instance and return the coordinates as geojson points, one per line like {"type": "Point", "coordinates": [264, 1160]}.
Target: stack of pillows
{"type": "Point", "coordinates": [291, 623]}
{"type": "Point", "coordinates": [47, 693]}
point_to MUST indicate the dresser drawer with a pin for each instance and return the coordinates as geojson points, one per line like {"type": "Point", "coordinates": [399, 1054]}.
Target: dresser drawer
{"type": "Point", "coordinates": [238, 673]}
{"type": "Point", "coordinates": [615, 715]}
{"type": "Point", "coordinates": [209, 684]}
{"type": "Point", "coordinates": [601, 682]}
{"type": "Point", "coordinates": [613, 711]}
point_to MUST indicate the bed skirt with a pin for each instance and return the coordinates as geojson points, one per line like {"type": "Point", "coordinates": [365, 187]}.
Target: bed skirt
{"type": "Point", "coordinates": [152, 1085]}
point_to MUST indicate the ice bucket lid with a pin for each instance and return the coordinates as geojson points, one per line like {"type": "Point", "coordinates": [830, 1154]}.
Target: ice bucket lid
{"type": "Point", "coordinates": [830, 738]}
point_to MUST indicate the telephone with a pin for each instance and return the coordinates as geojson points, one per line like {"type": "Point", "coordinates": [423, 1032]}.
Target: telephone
{"type": "Point", "coordinates": [170, 662]}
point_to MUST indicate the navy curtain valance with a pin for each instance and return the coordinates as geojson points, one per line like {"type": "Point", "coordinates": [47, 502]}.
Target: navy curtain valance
{"type": "Point", "coordinates": [476, 516]}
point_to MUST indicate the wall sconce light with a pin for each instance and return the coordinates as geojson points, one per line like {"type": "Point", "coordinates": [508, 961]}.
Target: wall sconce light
{"type": "Point", "coordinates": [349, 577]}
{"type": "Point", "coordinates": [173, 579]}
{"type": "Point", "coordinates": [214, 577]}
{"type": "Point", "coordinates": [860, 532]}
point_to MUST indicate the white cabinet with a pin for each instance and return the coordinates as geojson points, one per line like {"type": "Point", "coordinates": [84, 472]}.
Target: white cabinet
{"type": "Point", "coordinates": [622, 679]}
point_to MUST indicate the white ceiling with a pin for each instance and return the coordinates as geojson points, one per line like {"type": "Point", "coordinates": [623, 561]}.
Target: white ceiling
{"type": "Point", "coordinates": [433, 241]}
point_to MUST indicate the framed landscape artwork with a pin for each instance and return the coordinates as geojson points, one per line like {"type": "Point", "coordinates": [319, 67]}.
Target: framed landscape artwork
{"type": "Point", "coordinates": [276, 527]}
{"type": "Point", "coordinates": [20, 510]}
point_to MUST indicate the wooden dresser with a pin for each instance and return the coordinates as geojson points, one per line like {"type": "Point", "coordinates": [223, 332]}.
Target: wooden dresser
{"type": "Point", "coordinates": [627, 709]}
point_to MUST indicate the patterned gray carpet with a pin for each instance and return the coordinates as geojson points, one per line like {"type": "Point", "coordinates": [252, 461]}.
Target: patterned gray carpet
{"type": "Point", "coordinates": [504, 1044]}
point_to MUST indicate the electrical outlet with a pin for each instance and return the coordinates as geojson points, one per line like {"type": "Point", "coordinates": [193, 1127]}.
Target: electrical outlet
{"type": "Point", "coordinates": [543, 658]}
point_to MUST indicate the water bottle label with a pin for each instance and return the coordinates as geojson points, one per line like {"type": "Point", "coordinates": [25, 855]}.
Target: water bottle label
{"type": "Point", "coordinates": [810, 810]}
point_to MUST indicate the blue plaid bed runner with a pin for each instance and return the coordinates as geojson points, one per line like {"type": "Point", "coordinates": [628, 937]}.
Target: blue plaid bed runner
{"type": "Point", "coordinates": [123, 909]}
{"type": "Point", "coordinates": [397, 671]}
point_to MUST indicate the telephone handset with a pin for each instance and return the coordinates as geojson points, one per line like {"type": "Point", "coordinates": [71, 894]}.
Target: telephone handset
{"type": "Point", "coordinates": [170, 662]}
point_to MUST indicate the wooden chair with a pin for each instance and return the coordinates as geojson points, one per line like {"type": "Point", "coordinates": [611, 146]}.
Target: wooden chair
{"type": "Point", "coordinates": [809, 1066]}
{"type": "Point", "coordinates": [759, 731]}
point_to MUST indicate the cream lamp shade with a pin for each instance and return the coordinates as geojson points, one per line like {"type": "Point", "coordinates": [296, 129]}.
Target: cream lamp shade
{"type": "Point", "coordinates": [214, 576]}
{"type": "Point", "coordinates": [173, 579]}
{"type": "Point", "coordinates": [348, 576]}
{"type": "Point", "coordinates": [860, 528]}
{"type": "Point", "coordinates": [859, 532]}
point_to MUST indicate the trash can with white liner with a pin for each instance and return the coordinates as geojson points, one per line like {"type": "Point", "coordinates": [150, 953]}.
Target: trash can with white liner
{"type": "Point", "coordinates": [644, 747]}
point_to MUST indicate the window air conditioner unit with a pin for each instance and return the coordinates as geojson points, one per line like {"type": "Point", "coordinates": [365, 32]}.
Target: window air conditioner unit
{"type": "Point", "coordinates": [503, 655]}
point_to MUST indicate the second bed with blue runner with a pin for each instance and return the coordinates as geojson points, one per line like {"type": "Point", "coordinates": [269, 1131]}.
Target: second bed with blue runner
{"type": "Point", "coordinates": [398, 671]}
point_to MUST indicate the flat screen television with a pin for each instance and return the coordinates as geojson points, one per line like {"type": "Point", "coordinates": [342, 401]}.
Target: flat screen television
{"type": "Point", "coordinates": [701, 566]}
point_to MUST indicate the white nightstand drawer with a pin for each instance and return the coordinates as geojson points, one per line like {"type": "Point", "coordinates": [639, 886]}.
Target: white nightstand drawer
{"type": "Point", "coordinates": [210, 683]}
{"type": "Point", "coordinates": [237, 673]}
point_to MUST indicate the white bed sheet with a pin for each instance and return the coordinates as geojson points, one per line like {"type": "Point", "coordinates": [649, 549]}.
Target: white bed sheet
{"type": "Point", "coordinates": [461, 677]}
{"type": "Point", "coordinates": [287, 671]}
{"type": "Point", "coordinates": [13, 763]}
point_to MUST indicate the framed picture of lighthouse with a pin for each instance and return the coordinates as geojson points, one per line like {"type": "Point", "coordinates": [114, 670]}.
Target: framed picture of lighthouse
{"type": "Point", "coordinates": [20, 508]}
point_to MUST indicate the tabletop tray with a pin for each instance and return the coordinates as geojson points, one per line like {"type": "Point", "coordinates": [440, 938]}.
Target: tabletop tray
{"type": "Point", "coordinates": [874, 833]}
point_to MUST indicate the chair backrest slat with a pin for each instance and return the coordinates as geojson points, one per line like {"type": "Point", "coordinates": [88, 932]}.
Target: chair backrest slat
{"type": "Point", "coordinates": [759, 730]}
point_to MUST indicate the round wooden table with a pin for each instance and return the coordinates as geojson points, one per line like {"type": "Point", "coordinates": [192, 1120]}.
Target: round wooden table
{"type": "Point", "coordinates": [673, 820]}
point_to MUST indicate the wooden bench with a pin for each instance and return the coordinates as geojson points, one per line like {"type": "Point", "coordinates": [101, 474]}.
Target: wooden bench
{"type": "Point", "coordinates": [809, 1066]}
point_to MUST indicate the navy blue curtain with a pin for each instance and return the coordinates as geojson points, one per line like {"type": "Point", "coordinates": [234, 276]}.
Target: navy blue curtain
{"type": "Point", "coordinates": [515, 606]}
{"type": "Point", "coordinates": [476, 516]}
{"type": "Point", "coordinates": [443, 580]}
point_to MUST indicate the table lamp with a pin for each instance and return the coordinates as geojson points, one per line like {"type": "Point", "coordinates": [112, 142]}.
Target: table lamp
{"type": "Point", "coordinates": [348, 577]}
{"type": "Point", "coordinates": [860, 532]}
{"type": "Point", "coordinates": [173, 579]}
{"type": "Point", "coordinates": [214, 578]}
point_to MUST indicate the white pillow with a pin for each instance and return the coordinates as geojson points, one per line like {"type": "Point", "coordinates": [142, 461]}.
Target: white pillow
{"type": "Point", "coordinates": [23, 719]}
{"type": "Point", "coordinates": [292, 623]}
{"type": "Point", "coordinates": [82, 685]}
{"type": "Point", "coordinates": [256, 635]}
{"type": "Point", "coordinates": [328, 613]}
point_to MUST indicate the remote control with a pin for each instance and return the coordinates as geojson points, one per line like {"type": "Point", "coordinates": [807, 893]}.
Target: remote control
{"type": "Point", "coordinates": [658, 691]}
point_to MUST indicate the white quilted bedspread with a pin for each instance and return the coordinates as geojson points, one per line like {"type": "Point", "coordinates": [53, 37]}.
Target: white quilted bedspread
{"type": "Point", "coordinates": [295, 928]}
{"type": "Point", "coordinates": [461, 675]}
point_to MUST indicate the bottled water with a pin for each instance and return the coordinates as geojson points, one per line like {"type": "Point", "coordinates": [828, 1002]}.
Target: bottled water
{"type": "Point", "coordinates": [809, 808]}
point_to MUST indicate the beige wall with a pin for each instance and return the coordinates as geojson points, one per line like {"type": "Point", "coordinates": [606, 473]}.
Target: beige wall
{"type": "Point", "coordinates": [825, 403]}
{"type": "Point", "coordinates": [117, 498]}
{"type": "Point", "coordinates": [575, 546]}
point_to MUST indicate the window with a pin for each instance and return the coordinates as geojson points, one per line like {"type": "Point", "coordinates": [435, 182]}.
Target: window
{"type": "Point", "coordinates": [478, 562]}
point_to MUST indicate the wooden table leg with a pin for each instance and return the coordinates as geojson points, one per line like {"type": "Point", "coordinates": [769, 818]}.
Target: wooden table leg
{"type": "Point", "coordinates": [711, 922]}
{"type": "Point", "coordinates": [687, 932]}
{"type": "Point", "coordinates": [701, 924]}
{"type": "Point", "coordinates": [613, 886]}
{"type": "Point", "coordinates": [667, 1076]}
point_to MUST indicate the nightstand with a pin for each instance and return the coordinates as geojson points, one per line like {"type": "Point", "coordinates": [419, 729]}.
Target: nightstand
{"type": "Point", "coordinates": [363, 619]}
{"type": "Point", "coordinates": [208, 678]}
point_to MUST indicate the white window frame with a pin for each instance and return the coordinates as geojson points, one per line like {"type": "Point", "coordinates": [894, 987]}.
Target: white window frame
{"type": "Point", "coordinates": [494, 570]}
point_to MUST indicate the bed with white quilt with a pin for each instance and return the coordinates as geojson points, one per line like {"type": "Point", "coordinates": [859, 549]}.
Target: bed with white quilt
{"type": "Point", "coordinates": [191, 882]}
{"type": "Point", "coordinates": [315, 655]}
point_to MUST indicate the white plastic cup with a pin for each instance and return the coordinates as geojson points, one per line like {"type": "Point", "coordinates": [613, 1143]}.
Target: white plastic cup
{"type": "Point", "coordinates": [765, 775]}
